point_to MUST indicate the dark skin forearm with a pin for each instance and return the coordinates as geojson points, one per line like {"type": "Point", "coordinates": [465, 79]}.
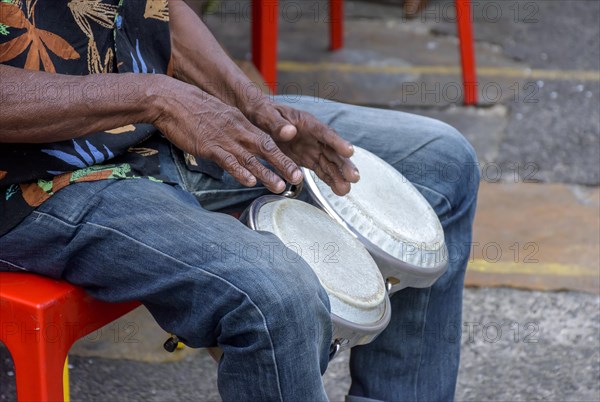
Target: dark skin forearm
{"type": "Point", "coordinates": [39, 107]}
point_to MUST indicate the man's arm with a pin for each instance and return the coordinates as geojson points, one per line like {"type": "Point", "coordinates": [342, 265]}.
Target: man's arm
{"type": "Point", "coordinates": [39, 107]}
{"type": "Point", "coordinates": [200, 60]}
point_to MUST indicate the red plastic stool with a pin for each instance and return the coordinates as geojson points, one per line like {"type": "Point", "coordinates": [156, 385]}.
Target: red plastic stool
{"type": "Point", "coordinates": [40, 319]}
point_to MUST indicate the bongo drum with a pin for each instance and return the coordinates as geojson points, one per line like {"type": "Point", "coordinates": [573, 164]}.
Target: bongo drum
{"type": "Point", "coordinates": [360, 306]}
{"type": "Point", "coordinates": [387, 214]}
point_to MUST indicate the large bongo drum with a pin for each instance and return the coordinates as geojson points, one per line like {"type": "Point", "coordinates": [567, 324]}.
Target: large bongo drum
{"type": "Point", "coordinates": [360, 306]}
{"type": "Point", "coordinates": [389, 216]}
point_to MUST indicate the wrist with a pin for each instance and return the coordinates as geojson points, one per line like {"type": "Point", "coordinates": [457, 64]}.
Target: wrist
{"type": "Point", "coordinates": [154, 90]}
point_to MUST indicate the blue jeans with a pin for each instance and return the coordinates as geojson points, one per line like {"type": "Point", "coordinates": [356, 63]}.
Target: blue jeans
{"type": "Point", "coordinates": [199, 273]}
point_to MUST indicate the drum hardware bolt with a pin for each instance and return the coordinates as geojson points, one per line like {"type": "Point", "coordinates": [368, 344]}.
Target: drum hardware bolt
{"type": "Point", "coordinates": [335, 348]}
{"type": "Point", "coordinates": [171, 344]}
{"type": "Point", "coordinates": [388, 285]}
{"type": "Point", "coordinates": [293, 190]}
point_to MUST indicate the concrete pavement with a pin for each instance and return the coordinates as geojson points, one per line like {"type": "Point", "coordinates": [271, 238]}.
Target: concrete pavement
{"type": "Point", "coordinates": [516, 345]}
{"type": "Point", "coordinates": [536, 236]}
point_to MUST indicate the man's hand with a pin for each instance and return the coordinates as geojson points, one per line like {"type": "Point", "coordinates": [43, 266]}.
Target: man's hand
{"type": "Point", "coordinates": [308, 142]}
{"type": "Point", "coordinates": [202, 125]}
{"type": "Point", "coordinates": [200, 61]}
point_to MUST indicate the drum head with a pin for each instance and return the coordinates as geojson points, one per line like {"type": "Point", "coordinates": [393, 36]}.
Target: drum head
{"type": "Point", "coordinates": [346, 270]}
{"type": "Point", "coordinates": [387, 210]}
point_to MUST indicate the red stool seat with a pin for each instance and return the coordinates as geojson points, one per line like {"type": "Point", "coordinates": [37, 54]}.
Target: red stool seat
{"type": "Point", "coordinates": [40, 319]}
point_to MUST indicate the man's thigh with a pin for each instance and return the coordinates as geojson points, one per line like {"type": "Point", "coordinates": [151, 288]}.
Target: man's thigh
{"type": "Point", "coordinates": [152, 242]}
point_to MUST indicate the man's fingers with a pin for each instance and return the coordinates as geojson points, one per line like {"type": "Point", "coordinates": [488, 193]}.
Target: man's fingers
{"type": "Point", "coordinates": [340, 188]}
{"type": "Point", "coordinates": [286, 133]}
{"type": "Point", "coordinates": [330, 173]}
{"type": "Point", "coordinates": [266, 176]}
{"type": "Point", "coordinates": [247, 169]}
{"type": "Point", "coordinates": [348, 169]}
{"type": "Point", "coordinates": [272, 122]}
{"type": "Point", "coordinates": [327, 170]}
{"type": "Point", "coordinates": [325, 135]}
{"type": "Point", "coordinates": [230, 164]}
{"type": "Point", "coordinates": [337, 143]}
{"type": "Point", "coordinates": [239, 152]}
{"type": "Point", "coordinates": [280, 129]}
{"type": "Point", "coordinates": [280, 161]}
{"type": "Point", "coordinates": [265, 147]}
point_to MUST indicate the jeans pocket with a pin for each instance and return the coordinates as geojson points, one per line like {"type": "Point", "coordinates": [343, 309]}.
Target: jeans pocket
{"type": "Point", "coordinates": [201, 165]}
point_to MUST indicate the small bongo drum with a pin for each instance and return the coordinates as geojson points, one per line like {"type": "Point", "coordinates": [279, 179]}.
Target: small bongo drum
{"type": "Point", "coordinates": [387, 214]}
{"type": "Point", "coordinates": [360, 306]}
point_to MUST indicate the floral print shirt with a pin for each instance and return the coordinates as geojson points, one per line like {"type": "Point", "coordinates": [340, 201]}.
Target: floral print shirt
{"type": "Point", "coordinates": [79, 37]}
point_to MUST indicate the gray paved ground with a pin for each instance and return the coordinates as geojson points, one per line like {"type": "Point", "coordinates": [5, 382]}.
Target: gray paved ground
{"type": "Point", "coordinates": [547, 349]}
{"type": "Point", "coordinates": [559, 134]}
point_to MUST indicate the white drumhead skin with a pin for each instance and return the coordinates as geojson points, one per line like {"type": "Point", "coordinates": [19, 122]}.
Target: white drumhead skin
{"type": "Point", "coordinates": [386, 209]}
{"type": "Point", "coordinates": [345, 268]}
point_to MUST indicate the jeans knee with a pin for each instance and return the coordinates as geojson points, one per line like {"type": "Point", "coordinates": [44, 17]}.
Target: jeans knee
{"type": "Point", "coordinates": [463, 155]}
{"type": "Point", "coordinates": [291, 294]}
{"type": "Point", "coordinates": [296, 284]}
{"type": "Point", "coordinates": [456, 167]}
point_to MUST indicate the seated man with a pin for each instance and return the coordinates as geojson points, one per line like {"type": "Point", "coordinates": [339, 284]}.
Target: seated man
{"type": "Point", "coordinates": [96, 191]}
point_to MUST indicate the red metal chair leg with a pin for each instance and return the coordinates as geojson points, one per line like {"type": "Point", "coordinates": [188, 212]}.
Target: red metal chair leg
{"type": "Point", "coordinates": [467, 53]}
{"type": "Point", "coordinates": [336, 24]}
{"type": "Point", "coordinates": [264, 39]}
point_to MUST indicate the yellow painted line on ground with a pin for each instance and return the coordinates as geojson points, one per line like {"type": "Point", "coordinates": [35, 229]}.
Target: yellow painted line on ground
{"type": "Point", "coordinates": [506, 72]}
{"type": "Point", "coordinates": [540, 268]}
